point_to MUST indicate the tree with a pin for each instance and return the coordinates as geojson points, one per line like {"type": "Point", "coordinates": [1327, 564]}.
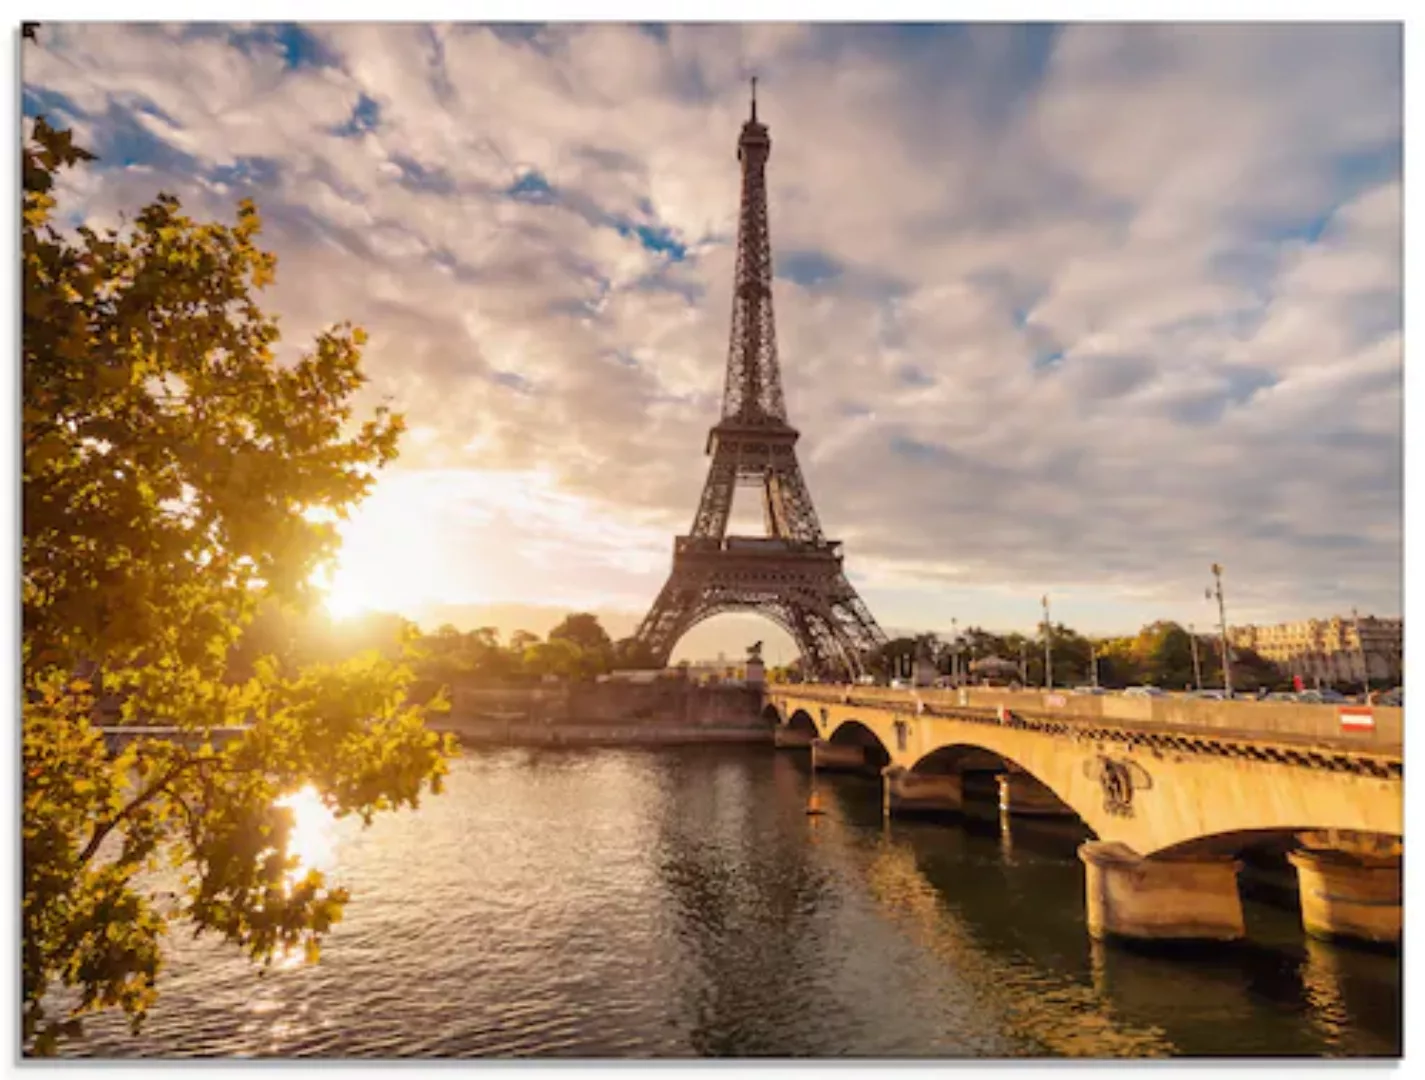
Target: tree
{"type": "Point", "coordinates": [521, 640]}
{"type": "Point", "coordinates": [893, 659]}
{"type": "Point", "coordinates": [631, 653]}
{"type": "Point", "coordinates": [1072, 655]}
{"type": "Point", "coordinates": [176, 478]}
{"type": "Point", "coordinates": [584, 631]}
{"type": "Point", "coordinates": [559, 657]}
{"type": "Point", "coordinates": [1163, 650]}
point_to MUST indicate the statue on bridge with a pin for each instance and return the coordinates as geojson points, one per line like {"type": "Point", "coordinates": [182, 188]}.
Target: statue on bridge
{"type": "Point", "coordinates": [754, 652]}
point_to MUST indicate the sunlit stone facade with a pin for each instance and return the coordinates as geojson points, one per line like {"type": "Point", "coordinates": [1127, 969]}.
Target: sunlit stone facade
{"type": "Point", "coordinates": [1329, 650]}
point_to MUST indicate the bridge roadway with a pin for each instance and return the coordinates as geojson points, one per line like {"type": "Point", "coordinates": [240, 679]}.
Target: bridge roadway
{"type": "Point", "coordinates": [1174, 791]}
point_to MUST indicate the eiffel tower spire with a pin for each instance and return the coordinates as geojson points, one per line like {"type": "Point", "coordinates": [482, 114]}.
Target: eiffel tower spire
{"type": "Point", "coordinates": [793, 573]}
{"type": "Point", "coordinates": [753, 394]}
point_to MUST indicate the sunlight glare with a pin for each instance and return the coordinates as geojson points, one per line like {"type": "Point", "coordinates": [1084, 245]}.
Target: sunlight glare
{"type": "Point", "coordinates": [310, 841]}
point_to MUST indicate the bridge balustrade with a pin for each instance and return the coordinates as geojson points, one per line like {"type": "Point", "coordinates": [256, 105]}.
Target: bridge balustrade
{"type": "Point", "coordinates": [1324, 724]}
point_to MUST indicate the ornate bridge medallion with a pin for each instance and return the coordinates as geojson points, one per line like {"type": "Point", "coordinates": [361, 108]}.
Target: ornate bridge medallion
{"type": "Point", "coordinates": [1119, 778]}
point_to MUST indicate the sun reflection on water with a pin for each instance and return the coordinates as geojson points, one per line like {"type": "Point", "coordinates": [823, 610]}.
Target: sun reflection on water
{"type": "Point", "coordinates": [310, 841]}
{"type": "Point", "coordinates": [312, 844]}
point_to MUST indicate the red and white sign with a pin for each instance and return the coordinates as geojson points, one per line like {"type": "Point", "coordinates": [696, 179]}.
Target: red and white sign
{"type": "Point", "coordinates": [1055, 701]}
{"type": "Point", "coordinates": [1356, 717]}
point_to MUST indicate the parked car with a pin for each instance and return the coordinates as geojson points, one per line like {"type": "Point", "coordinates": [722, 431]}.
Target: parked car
{"type": "Point", "coordinates": [1092, 691]}
{"type": "Point", "coordinates": [1144, 691]}
{"type": "Point", "coordinates": [1394, 697]}
{"type": "Point", "coordinates": [1209, 695]}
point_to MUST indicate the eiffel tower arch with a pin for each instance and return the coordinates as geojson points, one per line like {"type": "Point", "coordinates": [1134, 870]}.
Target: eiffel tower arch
{"type": "Point", "coordinates": [793, 574]}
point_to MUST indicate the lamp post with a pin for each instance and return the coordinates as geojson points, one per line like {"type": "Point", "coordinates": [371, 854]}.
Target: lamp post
{"type": "Point", "coordinates": [1024, 664]}
{"type": "Point", "coordinates": [1361, 647]}
{"type": "Point", "coordinates": [1093, 663]}
{"type": "Point", "coordinates": [954, 652]}
{"type": "Point", "coordinates": [1048, 651]}
{"type": "Point", "coordinates": [1222, 619]}
{"type": "Point", "coordinates": [1196, 665]}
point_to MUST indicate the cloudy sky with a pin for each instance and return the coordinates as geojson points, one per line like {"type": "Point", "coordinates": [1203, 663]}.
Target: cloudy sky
{"type": "Point", "coordinates": [1075, 310]}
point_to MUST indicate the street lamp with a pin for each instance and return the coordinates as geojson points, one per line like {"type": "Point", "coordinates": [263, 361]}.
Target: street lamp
{"type": "Point", "coordinates": [1048, 652]}
{"type": "Point", "coordinates": [1093, 663]}
{"type": "Point", "coordinates": [1222, 618]}
{"type": "Point", "coordinates": [954, 652]}
{"type": "Point", "coordinates": [1196, 665]}
{"type": "Point", "coordinates": [1361, 647]}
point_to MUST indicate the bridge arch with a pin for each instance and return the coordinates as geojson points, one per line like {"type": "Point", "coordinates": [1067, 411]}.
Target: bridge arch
{"type": "Point", "coordinates": [804, 630]}
{"type": "Point", "coordinates": [965, 757]}
{"type": "Point", "coordinates": [852, 732]}
{"type": "Point", "coordinates": [801, 720]}
{"type": "Point", "coordinates": [1021, 789]}
{"type": "Point", "coordinates": [1284, 838]}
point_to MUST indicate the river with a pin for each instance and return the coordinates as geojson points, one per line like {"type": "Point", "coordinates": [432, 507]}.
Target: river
{"type": "Point", "coordinates": [680, 902]}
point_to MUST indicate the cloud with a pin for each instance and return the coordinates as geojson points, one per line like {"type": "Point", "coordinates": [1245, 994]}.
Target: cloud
{"type": "Point", "coordinates": [1079, 308]}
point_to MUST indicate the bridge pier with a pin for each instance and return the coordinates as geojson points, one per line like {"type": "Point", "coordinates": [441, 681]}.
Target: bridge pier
{"type": "Point", "coordinates": [905, 790]}
{"type": "Point", "coordinates": [846, 757]}
{"type": "Point", "coordinates": [785, 737]}
{"type": "Point", "coordinates": [1020, 793]}
{"type": "Point", "coordinates": [1163, 899]}
{"type": "Point", "coordinates": [1353, 897]}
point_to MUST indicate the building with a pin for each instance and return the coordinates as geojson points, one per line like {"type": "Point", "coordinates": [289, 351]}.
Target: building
{"type": "Point", "coordinates": [1335, 650]}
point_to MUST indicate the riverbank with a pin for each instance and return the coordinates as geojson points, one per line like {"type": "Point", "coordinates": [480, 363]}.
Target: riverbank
{"type": "Point", "coordinates": [667, 713]}
{"type": "Point", "coordinates": [524, 733]}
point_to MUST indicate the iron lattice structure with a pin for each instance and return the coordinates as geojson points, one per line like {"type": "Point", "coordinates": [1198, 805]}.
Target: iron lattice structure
{"type": "Point", "coordinates": [793, 574]}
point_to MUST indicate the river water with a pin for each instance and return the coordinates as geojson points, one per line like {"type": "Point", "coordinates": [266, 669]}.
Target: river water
{"type": "Point", "coordinates": [680, 902]}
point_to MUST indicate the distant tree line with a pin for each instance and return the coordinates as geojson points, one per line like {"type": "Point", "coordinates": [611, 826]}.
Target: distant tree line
{"type": "Point", "coordinates": [1160, 654]}
{"type": "Point", "coordinates": [579, 648]}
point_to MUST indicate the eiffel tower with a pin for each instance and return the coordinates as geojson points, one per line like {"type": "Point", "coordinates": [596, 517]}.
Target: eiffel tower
{"type": "Point", "coordinates": [792, 575]}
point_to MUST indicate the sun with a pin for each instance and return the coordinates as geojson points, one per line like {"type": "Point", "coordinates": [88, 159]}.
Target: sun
{"type": "Point", "coordinates": [344, 597]}
{"type": "Point", "coordinates": [390, 558]}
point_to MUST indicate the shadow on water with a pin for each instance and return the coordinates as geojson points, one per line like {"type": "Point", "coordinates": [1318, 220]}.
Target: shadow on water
{"type": "Point", "coordinates": [1015, 887]}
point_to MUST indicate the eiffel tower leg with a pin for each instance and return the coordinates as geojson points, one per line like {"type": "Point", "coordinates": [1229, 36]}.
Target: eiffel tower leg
{"type": "Point", "coordinates": [663, 625]}
{"type": "Point", "coordinates": [715, 507]}
{"type": "Point", "coordinates": [788, 500]}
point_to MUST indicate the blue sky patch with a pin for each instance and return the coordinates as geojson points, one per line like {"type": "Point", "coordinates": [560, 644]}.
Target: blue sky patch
{"type": "Point", "coordinates": [808, 268]}
{"type": "Point", "coordinates": [416, 176]}
{"type": "Point", "coordinates": [655, 238]}
{"type": "Point", "coordinates": [531, 187]}
{"type": "Point", "coordinates": [365, 116]}
{"type": "Point", "coordinates": [248, 172]}
{"type": "Point", "coordinates": [1048, 360]}
{"type": "Point", "coordinates": [299, 47]}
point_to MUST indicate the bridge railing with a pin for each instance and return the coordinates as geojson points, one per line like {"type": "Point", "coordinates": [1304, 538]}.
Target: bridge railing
{"type": "Point", "coordinates": [1380, 728]}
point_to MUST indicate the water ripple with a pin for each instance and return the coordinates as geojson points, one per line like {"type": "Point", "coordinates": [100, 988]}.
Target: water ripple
{"type": "Point", "coordinates": [679, 903]}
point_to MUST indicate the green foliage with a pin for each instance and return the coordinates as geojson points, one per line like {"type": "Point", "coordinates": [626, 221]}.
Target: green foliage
{"type": "Point", "coordinates": [169, 467]}
{"type": "Point", "coordinates": [578, 648]}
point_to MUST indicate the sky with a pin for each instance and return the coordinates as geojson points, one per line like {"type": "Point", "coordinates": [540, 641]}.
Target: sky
{"type": "Point", "coordinates": [1075, 311]}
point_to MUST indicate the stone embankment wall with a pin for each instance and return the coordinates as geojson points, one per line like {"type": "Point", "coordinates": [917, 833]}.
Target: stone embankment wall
{"type": "Point", "coordinates": [667, 711]}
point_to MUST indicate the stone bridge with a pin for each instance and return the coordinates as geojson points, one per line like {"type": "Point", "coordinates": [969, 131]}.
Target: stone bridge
{"type": "Point", "coordinates": [1172, 799]}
